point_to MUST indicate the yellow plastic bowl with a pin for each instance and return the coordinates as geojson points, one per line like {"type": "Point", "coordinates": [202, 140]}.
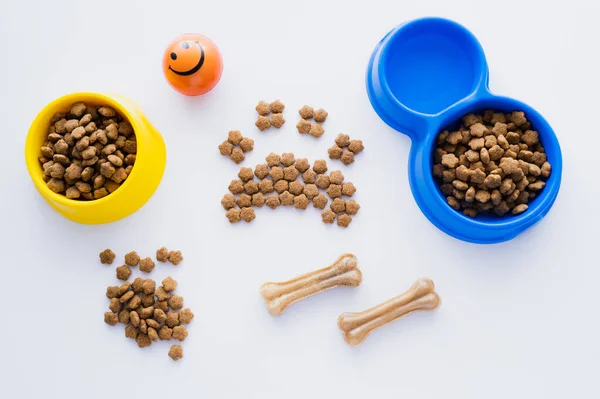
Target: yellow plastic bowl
{"type": "Point", "coordinates": [139, 186]}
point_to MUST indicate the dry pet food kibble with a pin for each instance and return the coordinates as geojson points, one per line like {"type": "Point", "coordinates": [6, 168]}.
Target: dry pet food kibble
{"type": "Point", "coordinates": [107, 257]}
{"type": "Point", "coordinates": [493, 163]}
{"type": "Point", "coordinates": [345, 149]}
{"type": "Point", "coordinates": [235, 146]}
{"type": "Point", "coordinates": [88, 154]}
{"type": "Point", "coordinates": [264, 109]}
{"type": "Point", "coordinates": [304, 126]}
{"type": "Point", "coordinates": [146, 319]}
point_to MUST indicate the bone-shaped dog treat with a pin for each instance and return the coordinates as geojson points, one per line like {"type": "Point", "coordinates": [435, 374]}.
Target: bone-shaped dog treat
{"type": "Point", "coordinates": [357, 326]}
{"type": "Point", "coordinates": [278, 296]}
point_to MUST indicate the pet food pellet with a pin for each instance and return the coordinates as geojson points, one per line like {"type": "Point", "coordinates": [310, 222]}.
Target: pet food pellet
{"type": "Point", "coordinates": [107, 257]}
{"type": "Point", "coordinates": [263, 123]}
{"type": "Point", "coordinates": [320, 166]}
{"type": "Point", "coordinates": [115, 305]}
{"type": "Point", "coordinates": [328, 216]}
{"type": "Point", "coordinates": [126, 297]}
{"type": "Point", "coordinates": [124, 288]}
{"type": "Point", "coordinates": [112, 292]}
{"type": "Point", "coordinates": [234, 137]}
{"type": "Point", "coordinates": [320, 115]}
{"type": "Point", "coordinates": [180, 333]}
{"type": "Point", "coordinates": [263, 108]}
{"type": "Point", "coordinates": [336, 177]}
{"type": "Point", "coordinates": [276, 173]}
{"type": "Point", "coordinates": [146, 265]}
{"type": "Point", "coordinates": [186, 316]}
{"type": "Point", "coordinates": [338, 205]}
{"type": "Point", "coordinates": [286, 198]}
{"type": "Point", "coordinates": [162, 294]}
{"type": "Point", "coordinates": [311, 191]}
{"type": "Point", "coordinates": [316, 130]}
{"type": "Point", "coordinates": [261, 171]}
{"type": "Point", "coordinates": [148, 300]}
{"type": "Point", "coordinates": [172, 319]}
{"type": "Point", "coordinates": [152, 334]}
{"type": "Point", "coordinates": [323, 182]}
{"type": "Point", "coordinates": [175, 257]}
{"type": "Point", "coordinates": [146, 312]}
{"type": "Point", "coordinates": [309, 177]}
{"type": "Point", "coordinates": [163, 253]}
{"type": "Point", "coordinates": [296, 187]}
{"type": "Point", "coordinates": [303, 126]}
{"type": "Point", "coordinates": [288, 159]}
{"type": "Point", "coordinates": [143, 326]}
{"type": "Point", "coordinates": [165, 333]}
{"type": "Point", "coordinates": [162, 305]}
{"type": "Point", "coordinates": [335, 152]}
{"type": "Point", "coordinates": [134, 318]}
{"type": "Point", "coordinates": [247, 144]}
{"type": "Point", "coordinates": [134, 303]}
{"type": "Point", "coordinates": [123, 316]}
{"type": "Point", "coordinates": [148, 286]}
{"type": "Point", "coordinates": [137, 283]}
{"type": "Point", "coordinates": [247, 215]}
{"type": "Point", "coordinates": [176, 352]}
{"type": "Point", "coordinates": [132, 259]}
{"type": "Point", "coordinates": [356, 146]}
{"type": "Point", "coordinates": [334, 191]}
{"type": "Point", "coordinates": [251, 187]}
{"type": "Point", "coordinates": [266, 186]}
{"type": "Point", "coordinates": [344, 220]}
{"type": "Point", "coordinates": [301, 202]}
{"type": "Point", "coordinates": [228, 202]}
{"type": "Point", "coordinates": [302, 165]}
{"type": "Point", "coordinates": [277, 120]}
{"type": "Point", "coordinates": [348, 189]}
{"type": "Point", "coordinates": [131, 331]}
{"type": "Point", "coordinates": [258, 200]}
{"type": "Point", "coordinates": [273, 201]}
{"type": "Point", "coordinates": [290, 173]}
{"type": "Point", "coordinates": [143, 340]}
{"type": "Point", "coordinates": [347, 157]}
{"type": "Point", "coordinates": [352, 207]}
{"type": "Point", "coordinates": [110, 318]}
{"type": "Point", "coordinates": [320, 201]}
{"type": "Point", "coordinates": [123, 272]}
{"type": "Point", "coordinates": [237, 155]}
{"type": "Point", "coordinates": [273, 160]}
{"type": "Point", "coordinates": [277, 107]}
{"type": "Point", "coordinates": [306, 112]}
{"type": "Point", "coordinates": [236, 187]}
{"type": "Point", "coordinates": [342, 140]}
{"type": "Point", "coordinates": [281, 186]}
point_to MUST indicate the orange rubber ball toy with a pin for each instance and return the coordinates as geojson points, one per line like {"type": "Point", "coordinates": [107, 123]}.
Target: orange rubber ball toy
{"type": "Point", "coordinates": [192, 64]}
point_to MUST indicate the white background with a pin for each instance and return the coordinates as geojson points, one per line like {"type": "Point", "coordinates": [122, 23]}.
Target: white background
{"type": "Point", "coordinates": [518, 319]}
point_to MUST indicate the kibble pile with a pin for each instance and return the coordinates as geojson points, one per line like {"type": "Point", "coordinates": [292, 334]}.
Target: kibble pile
{"type": "Point", "coordinates": [150, 313]}
{"type": "Point", "coordinates": [264, 109]}
{"type": "Point", "coordinates": [277, 184]}
{"type": "Point", "coordinates": [493, 163]}
{"type": "Point", "coordinates": [305, 126]}
{"type": "Point", "coordinates": [89, 152]}
{"type": "Point", "coordinates": [345, 149]}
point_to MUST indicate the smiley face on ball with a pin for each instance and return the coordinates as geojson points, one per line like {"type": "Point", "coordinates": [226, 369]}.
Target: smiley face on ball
{"type": "Point", "coordinates": [192, 64]}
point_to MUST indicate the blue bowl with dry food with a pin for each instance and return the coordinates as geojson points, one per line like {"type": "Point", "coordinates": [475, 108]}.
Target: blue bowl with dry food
{"type": "Point", "coordinates": [423, 77]}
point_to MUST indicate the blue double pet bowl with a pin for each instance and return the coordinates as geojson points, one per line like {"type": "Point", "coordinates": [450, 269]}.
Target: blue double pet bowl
{"type": "Point", "coordinates": [423, 77]}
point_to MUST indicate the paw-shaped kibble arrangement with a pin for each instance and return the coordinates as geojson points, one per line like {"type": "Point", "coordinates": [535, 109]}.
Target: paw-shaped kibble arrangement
{"type": "Point", "coordinates": [236, 146]}
{"type": "Point", "coordinates": [305, 126]}
{"type": "Point", "coordinates": [345, 149]}
{"type": "Point", "coordinates": [264, 109]}
{"type": "Point", "coordinates": [277, 184]}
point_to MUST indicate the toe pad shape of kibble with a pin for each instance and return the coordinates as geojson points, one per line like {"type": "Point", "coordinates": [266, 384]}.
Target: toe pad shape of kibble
{"type": "Point", "coordinates": [305, 126]}
{"type": "Point", "coordinates": [150, 313]}
{"type": "Point", "coordinates": [264, 109]}
{"type": "Point", "coordinates": [89, 152]}
{"type": "Point", "coordinates": [345, 149]}
{"type": "Point", "coordinates": [494, 163]}
{"type": "Point", "coordinates": [236, 146]}
{"type": "Point", "coordinates": [278, 184]}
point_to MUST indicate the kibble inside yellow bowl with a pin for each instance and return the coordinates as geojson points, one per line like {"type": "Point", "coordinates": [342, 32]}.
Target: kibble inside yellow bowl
{"type": "Point", "coordinates": [139, 186]}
